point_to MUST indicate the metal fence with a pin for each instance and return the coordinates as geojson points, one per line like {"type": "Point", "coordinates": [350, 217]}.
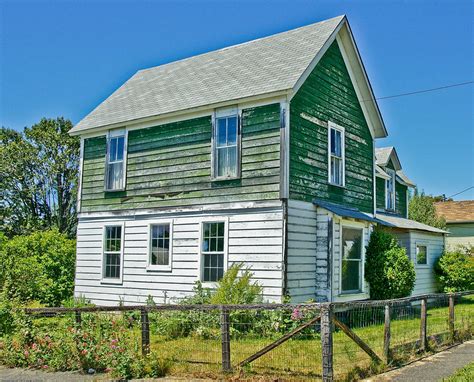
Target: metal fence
{"type": "Point", "coordinates": [292, 341]}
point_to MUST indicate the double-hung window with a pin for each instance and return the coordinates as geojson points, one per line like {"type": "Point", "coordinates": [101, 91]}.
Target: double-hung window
{"type": "Point", "coordinates": [226, 147]}
{"type": "Point", "coordinates": [421, 255]}
{"type": "Point", "coordinates": [336, 154]}
{"type": "Point", "coordinates": [352, 260]}
{"type": "Point", "coordinates": [390, 190]}
{"type": "Point", "coordinates": [212, 251]}
{"type": "Point", "coordinates": [116, 154]}
{"type": "Point", "coordinates": [160, 248]}
{"type": "Point", "coordinates": [112, 257]}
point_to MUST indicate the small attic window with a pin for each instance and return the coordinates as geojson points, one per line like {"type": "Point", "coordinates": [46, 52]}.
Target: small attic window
{"type": "Point", "coordinates": [226, 144]}
{"type": "Point", "coordinates": [390, 190]}
{"type": "Point", "coordinates": [116, 157]}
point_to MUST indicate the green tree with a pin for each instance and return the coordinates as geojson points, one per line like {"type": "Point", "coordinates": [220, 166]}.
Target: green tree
{"type": "Point", "coordinates": [38, 178]}
{"type": "Point", "coordinates": [421, 209]}
{"type": "Point", "coordinates": [39, 266]}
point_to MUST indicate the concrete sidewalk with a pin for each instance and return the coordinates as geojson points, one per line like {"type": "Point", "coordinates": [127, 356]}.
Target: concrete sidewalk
{"type": "Point", "coordinates": [433, 368]}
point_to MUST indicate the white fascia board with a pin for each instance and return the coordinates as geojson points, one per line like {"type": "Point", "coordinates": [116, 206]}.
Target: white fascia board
{"type": "Point", "coordinates": [202, 111]}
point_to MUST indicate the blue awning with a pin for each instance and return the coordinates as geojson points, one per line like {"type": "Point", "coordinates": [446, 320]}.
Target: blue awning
{"type": "Point", "coordinates": [345, 212]}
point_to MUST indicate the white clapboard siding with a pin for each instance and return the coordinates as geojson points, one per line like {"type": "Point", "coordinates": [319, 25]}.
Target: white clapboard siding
{"type": "Point", "coordinates": [425, 277]}
{"type": "Point", "coordinates": [301, 259]}
{"type": "Point", "coordinates": [255, 238]}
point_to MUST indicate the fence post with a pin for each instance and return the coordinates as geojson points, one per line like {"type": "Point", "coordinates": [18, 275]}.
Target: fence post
{"type": "Point", "coordinates": [423, 317]}
{"type": "Point", "coordinates": [145, 332]}
{"type": "Point", "coordinates": [327, 314]}
{"type": "Point", "coordinates": [451, 317]}
{"type": "Point", "coordinates": [386, 335]}
{"type": "Point", "coordinates": [225, 338]}
{"type": "Point", "coordinates": [78, 318]}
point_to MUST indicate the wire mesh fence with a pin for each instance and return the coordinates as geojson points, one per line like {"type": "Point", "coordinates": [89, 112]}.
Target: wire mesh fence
{"type": "Point", "coordinates": [293, 342]}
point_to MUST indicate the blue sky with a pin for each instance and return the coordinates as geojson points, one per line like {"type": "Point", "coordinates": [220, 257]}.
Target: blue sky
{"type": "Point", "coordinates": [61, 58]}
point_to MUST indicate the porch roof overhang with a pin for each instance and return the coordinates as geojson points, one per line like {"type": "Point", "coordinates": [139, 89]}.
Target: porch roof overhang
{"type": "Point", "coordinates": [344, 211]}
{"type": "Point", "coordinates": [399, 222]}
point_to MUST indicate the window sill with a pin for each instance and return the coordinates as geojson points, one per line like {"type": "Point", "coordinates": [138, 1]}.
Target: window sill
{"type": "Point", "coordinates": [351, 293]}
{"type": "Point", "coordinates": [223, 179]}
{"type": "Point", "coordinates": [115, 190]}
{"type": "Point", "coordinates": [111, 281]}
{"type": "Point", "coordinates": [158, 268]}
{"type": "Point", "coordinates": [336, 185]}
{"type": "Point", "coordinates": [209, 284]}
{"type": "Point", "coordinates": [422, 266]}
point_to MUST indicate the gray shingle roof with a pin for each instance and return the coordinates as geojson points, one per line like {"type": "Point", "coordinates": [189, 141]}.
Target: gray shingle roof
{"type": "Point", "coordinates": [382, 155]}
{"type": "Point", "coordinates": [261, 66]}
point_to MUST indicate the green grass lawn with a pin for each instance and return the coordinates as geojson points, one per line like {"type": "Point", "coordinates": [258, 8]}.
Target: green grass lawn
{"type": "Point", "coordinates": [466, 374]}
{"type": "Point", "coordinates": [302, 357]}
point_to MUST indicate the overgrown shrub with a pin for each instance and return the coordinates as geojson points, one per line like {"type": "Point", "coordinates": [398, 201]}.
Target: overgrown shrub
{"type": "Point", "coordinates": [103, 343]}
{"type": "Point", "coordinates": [455, 270]}
{"type": "Point", "coordinates": [38, 267]}
{"type": "Point", "coordinates": [388, 269]}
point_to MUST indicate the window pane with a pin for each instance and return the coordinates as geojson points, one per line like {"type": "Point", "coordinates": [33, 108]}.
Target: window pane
{"type": "Point", "coordinates": [222, 169]}
{"type": "Point", "coordinates": [113, 149]}
{"type": "Point", "coordinates": [115, 176]}
{"type": "Point", "coordinates": [232, 131]}
{"type": "Point", "coordinates": [221, 132]}
{"type": "Point", "coordinates": [352, 243]}
{"type": "Point", "coordinates": [112, 265]}
{"type": "Point", "coordinates": [333, 141]}
{"type": "Point", "coordinates": [350, 275]}
{"type": "Point", "coordinates": [160, 244]}
{"type": "Point", "coordinates": [213, 267]}
{"type": "Point", "coordinates": [336, 171]}
{"type": "Point", "coordinates": [120, 146]}
{"type": "Point", "coordinates": [113, 237]}
{"type": "Point", "coordinates": [232, 161]}
{"type": "Point", "coordinates": [421, 257]}
{"type": "Point", "coordinates": [351, 271]}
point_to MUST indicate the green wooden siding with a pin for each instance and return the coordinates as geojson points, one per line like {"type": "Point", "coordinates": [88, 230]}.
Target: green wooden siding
{"type": "Point", "coordinates": [380, 193]}
{"type": "Point", "coordinates": [170, 165]}
{"type": "Point", "coordinates": [328, 95]}
{"type": "Point", "coordinates": [401, 199]}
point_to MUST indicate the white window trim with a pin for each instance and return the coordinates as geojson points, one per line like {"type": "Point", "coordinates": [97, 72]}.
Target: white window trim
{"type": "Point", "coordinates": [223, 113]}
{"type": "Point", "coordinates": [106, 280]}
{"type": "Point", "coordinates": [213, 219]}
{"type": "Point", "coordinates": [392, 174]}
{"type": "Point", "coordinates": [362, 227]}
{"type": "Point", "coordinates": [332, 125]}
{"type": "Point", "coordinates": [114, 134]}
{"type": "Point", "coordinates": [159, 268]}
{"type": "Point", "coordinates": [415, 260]}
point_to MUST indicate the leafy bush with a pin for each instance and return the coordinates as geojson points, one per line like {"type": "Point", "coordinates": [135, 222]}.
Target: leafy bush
{"type": "Point", "coordinates": [455, 270]}
{"type": "Point", "coordinates": [388, 270]}
{"type": "Point", "coordinates": [38, 267]}
{"type": "Point", "coordinates": [237, 289]}
{"type": "Point", "coordinates": [103, 343]}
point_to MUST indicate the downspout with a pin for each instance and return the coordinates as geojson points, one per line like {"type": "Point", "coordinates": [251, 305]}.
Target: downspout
{"type": "Point", "coordinates": [284, 186]}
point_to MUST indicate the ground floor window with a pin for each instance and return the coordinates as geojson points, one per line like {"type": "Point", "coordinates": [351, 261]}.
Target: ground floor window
{"type": "Point", "coordinates": [212, 251]}
{"type": "Point", "coordinates": [112, 252]}
{"type": "Point", "coordinates": [352, 260]}
{"type": "Point", "coordinates": [421, 255]}
{"type": "Point", "coordinates": [160, 246]}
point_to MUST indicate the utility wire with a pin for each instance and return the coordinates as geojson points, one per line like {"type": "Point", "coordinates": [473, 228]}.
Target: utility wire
{"type": "Point", "coordinates": [422, 91]}
{"type": "Point", "coordinates": [460, 192]}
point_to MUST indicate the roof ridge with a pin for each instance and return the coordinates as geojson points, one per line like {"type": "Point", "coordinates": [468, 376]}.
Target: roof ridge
{"type": "Point", "coordinates": [240, 44]}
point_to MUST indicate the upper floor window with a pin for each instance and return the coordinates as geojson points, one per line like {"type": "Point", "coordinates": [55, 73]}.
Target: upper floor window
{"type": "Point", "coordinates": [226, 150]}
{"type": "Point", "coordinates": [116, 153]}
{"type": "Point", "coordinates": [390, 190]}
{"type": "Point", "coordinates": [336, 154]}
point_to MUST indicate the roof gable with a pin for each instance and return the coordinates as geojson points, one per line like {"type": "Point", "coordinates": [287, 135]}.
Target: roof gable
{"type": "Point", "coordinates": [384, 156]}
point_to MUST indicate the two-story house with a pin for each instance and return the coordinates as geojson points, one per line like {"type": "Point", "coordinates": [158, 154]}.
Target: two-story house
{"type": "Point", "coordinates": [261, 153]}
